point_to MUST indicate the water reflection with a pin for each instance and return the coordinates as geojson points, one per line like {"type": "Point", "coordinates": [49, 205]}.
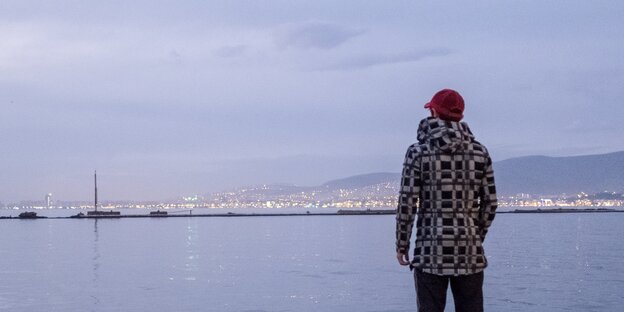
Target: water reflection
{"type": "Point", "coordinates": [96, 264]}
{"type": "Point", "coordinates": [190, 261]}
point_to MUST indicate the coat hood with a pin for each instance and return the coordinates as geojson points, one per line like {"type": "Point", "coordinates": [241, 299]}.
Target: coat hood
{"type": "Point", "coordinates": [444, 135]}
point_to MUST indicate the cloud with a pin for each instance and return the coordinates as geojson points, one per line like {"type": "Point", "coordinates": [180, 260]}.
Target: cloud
{"type": "Point", "coordinates": [315, 34]}
{"type": "Point", "coordinates": [364, 61]}
{"type": "Point", "coordinates": [231, 51]}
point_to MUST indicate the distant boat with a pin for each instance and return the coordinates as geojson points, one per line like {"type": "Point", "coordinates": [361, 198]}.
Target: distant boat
{"type": "Point", "coordinates": [158, 213]}
{"type": "Point", "coordinates": [28, 215]}
{"type": "Point", "coordinates": [101, 213]}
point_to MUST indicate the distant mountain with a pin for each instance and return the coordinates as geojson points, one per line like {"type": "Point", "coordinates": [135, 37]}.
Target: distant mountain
{"type": "Point", "coordinates": [557, 175]}
{"type": "Point", "coordinates": [363, 180]}
{"type": "Point", "coordinates": [533, 174]}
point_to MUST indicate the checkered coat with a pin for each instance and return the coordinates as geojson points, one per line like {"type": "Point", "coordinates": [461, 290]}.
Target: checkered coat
{"type": "Point", "coordinates": [448, 183]}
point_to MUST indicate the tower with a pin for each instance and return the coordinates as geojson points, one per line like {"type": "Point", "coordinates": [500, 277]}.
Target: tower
{"type": "Point", "coordinates": [95, 182]}
{"type": "Point", "coordinates": [48, 200]}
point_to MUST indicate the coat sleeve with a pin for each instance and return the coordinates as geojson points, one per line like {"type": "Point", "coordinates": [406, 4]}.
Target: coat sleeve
{"type": "Point", "coordinates": [408, 200]}
{"type": "Point", "coordinates": [487, 199]}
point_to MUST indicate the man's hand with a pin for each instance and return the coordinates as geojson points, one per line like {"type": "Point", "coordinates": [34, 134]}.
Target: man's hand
{"type": "Point", "coordinates": [403, 258]}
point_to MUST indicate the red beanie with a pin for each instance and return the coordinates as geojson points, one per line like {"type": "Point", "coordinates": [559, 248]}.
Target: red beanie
{"type": "Point", "coordinates": [448, 104]}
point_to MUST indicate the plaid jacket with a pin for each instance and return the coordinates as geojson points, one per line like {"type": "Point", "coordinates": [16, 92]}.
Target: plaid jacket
{"type": "Point", "coordinates": [448, 182]}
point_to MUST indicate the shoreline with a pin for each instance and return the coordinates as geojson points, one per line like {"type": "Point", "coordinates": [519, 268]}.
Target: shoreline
{"type": "Point", "coordinates": [338, 213]}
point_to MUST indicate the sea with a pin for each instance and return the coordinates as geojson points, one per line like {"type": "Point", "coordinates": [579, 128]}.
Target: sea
{"type": "Point", "coordinates": [537, 262]}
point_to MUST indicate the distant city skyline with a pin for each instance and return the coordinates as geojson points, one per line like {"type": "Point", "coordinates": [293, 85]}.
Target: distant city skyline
{"type": "Point", "coordinates": [379, 195]}
{"type": "Point", "coordinates": [195, 97]}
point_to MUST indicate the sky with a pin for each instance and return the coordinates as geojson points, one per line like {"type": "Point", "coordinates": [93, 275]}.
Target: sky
{"type": "Point", "coordinates": [175, 98]}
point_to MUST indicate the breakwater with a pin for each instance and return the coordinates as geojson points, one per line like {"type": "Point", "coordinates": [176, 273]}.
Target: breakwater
{"type": "Point", "coordinates": [190, 214]}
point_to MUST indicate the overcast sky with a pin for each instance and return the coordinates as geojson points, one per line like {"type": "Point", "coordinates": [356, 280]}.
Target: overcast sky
{"type": "Point", "coordinates": [173, 98]}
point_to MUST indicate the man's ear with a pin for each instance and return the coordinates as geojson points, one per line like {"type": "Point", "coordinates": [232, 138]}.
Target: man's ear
{"type": "Point", "coordinates": [433, 112]}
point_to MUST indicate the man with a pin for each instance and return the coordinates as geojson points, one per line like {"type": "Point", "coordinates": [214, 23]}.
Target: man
{"type": "Point", "coordinates": [448, 182]}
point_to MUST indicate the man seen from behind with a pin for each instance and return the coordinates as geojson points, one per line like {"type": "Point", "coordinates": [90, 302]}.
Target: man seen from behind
{"type": "Point", "coordinates": [447, 185]}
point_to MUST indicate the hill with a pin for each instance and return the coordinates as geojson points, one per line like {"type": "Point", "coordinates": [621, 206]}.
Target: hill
{"type": "Point", "coordinates": [539, 175]}
{"type": "Point", "coordinates": [557, 175]}
{"type": "Point", "coordinates": [363, 180]}
{"type": "Point", "coordinates": [532, 174]}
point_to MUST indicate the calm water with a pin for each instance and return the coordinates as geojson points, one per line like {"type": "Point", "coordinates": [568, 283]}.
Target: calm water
{"type": "Point", "coordinates": [538, 262]}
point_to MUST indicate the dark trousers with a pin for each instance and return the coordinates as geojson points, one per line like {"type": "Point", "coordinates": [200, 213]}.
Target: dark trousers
{"type": "Point", "coordinates": [431, 292]}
